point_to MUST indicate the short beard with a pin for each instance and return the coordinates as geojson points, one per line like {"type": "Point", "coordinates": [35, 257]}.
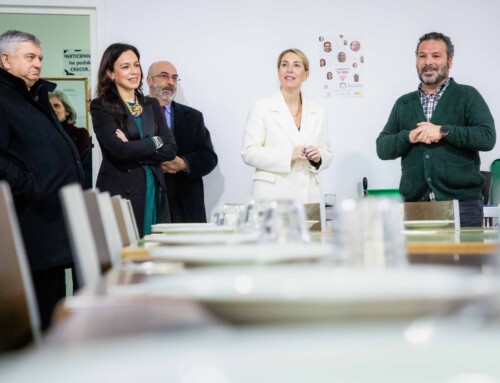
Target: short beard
{"type": "Point", "coordinates": [442, 74]}
{"type": "Point", "coordinates": [158, 92]}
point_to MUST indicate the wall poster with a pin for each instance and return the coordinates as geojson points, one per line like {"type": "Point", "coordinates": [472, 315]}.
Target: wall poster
{"type": "Point", "coordinates": [341, 63]}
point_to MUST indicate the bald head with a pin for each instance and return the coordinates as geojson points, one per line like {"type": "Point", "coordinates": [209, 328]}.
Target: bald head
{"type": "Point", "coordinates": [161, 66]}
{"type": "Point", "coordinates": [162, 81]}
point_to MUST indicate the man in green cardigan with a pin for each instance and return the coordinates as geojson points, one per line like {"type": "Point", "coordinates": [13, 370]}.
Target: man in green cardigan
{"type": "Point", "coordinates": [438, 132]}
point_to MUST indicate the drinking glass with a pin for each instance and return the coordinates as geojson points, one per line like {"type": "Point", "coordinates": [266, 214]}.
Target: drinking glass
{"type": "Point", "coordinates": [369, 232]}
{"type": "Point", "coordinates": [228, 214]}
{"type": "Point", "coordinates": [252, 217]}
{"type": "Point", "coordinates": [284, 221]}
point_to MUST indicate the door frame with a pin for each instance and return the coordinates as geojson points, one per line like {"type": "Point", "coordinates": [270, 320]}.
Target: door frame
{"type": "Point", "coordinates": [92, 8]}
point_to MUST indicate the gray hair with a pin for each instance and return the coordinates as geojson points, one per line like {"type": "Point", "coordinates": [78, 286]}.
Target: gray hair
{"type": "Point", "coordinates": [71, 119]}
{"type": "Point", "coordinates": [11, 38]}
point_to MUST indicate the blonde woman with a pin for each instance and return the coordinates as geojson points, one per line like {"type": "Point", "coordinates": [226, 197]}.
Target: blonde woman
{"type": "Point", "coordinates": [286, 137]}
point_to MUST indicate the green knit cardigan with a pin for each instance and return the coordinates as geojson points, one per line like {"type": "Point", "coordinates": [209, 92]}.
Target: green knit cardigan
{"type": "Point", "coordinates": [449, 168]}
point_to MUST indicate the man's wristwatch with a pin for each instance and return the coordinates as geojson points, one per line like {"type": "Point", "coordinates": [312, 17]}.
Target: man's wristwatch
{"type": "Point", "coordinates": [157, 141]}
{"type": "Point", "coordinates": [444, 130]}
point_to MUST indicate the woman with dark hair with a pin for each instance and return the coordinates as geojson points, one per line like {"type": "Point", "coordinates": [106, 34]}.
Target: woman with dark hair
{"type": "Point", "coordinates": [133, 136]}
{"type": "Point", "coordinates": [66, 115]}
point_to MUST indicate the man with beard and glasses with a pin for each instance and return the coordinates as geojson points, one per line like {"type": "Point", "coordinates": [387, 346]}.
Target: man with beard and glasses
{"type": "Point", "coordinates": [195, 154]}
{"type": "Point", "coordinates": [438, 132]}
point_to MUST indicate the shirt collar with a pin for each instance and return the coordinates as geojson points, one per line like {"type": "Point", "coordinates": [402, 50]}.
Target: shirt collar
{"type": "Point", "coordinates": [439, 90]}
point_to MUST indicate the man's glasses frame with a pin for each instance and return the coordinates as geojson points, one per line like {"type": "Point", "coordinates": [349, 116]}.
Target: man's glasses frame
{"type": "Point", "coordinates": [166, 77]}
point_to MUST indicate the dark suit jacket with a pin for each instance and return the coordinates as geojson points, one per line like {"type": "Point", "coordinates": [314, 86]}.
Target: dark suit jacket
{"type": "Point", "coordinates": [83, 143]}
{"type": "Point", "coordinates": [185, 190]}
{"type": "Point", "coordinates": [37, 159]}
{"type": "Point", "coordinates": [121, 169]}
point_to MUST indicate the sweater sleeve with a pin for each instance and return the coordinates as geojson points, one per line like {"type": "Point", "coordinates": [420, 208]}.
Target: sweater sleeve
{"type": "Point", "coordinates": [478, 134]}
{"type": "Point", "coordinates": [394, 142]}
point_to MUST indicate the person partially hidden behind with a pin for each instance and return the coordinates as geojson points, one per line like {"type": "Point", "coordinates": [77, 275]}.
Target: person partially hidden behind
{"type": "Point", "coordinates": [66, 114]}
{"type": "Point", "coordinates": [438, 132]}
{"type": "Point", "coordinates": [195, 153]}
{"type": "Point", "coordinates": [37, 159]}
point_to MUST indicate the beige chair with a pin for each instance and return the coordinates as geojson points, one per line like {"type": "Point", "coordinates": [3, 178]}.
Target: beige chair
{"type": "Point", "coordinates": [316, 212]}
{"type": "Point", "coordinates": [445, 214]}
{"type": "Point", "coordinates": [126, 220]}
{"type": "Point", "coordinates": [80, 233]}
{"type": "Point", "coordinates": [104, 228]}
{"type": "Point", "coordinates": [132, 217]}
{"type": "Point", "coordinates": [19, 317]}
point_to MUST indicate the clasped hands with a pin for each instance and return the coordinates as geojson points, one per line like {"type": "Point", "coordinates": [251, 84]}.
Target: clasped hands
{"type": "Point", "coordinates": [174, 166]}
{"type": "Point", "coordinates": [426, 133]}
{"type": "Point", "coordinates": [309, 152]}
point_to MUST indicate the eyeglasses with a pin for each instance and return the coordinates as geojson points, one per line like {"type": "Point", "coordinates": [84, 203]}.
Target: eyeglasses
{"type": "Point", "coordinates": [166, 77]}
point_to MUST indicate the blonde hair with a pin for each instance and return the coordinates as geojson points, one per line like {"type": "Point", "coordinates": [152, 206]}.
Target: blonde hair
{"type": "Point", "coordinates": [298, 52]}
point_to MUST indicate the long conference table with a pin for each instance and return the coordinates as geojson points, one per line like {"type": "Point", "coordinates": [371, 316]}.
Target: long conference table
{"type": "Point", "coordinates": [102, 336]}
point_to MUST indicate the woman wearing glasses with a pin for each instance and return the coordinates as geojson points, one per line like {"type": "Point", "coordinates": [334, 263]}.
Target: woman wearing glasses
{"type": "Point", "coordinates": [133, 137]}
{"type": "Point", "coordinates": [286, 137]}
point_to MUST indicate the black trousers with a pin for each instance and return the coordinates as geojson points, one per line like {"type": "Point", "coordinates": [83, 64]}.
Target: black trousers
{"type": "Point", "coordinates": [50, 288]}
{"type": "Point", "coordinates": [471, 213]}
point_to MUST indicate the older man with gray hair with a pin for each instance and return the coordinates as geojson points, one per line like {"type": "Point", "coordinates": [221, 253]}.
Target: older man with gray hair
{"type": "Point", "coordinates": [37, 158]}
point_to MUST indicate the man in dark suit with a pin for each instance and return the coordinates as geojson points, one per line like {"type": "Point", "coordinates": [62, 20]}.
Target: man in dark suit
{"type": "Point", "coordinates": [195, 155]}
{"type": "Point", "coordinates": [37, 158]}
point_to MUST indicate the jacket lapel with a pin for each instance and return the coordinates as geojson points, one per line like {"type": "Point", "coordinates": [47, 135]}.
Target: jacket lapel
{"type": "Point", "coordinates": [309, 120]}
{"type": "Point", "coordinates": [283, 117]}
{"type": "Point", "coordinates": [148, 121]}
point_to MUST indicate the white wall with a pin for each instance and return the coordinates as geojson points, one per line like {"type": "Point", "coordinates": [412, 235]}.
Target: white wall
{"type": "Point", "coordinates": [225, 51]}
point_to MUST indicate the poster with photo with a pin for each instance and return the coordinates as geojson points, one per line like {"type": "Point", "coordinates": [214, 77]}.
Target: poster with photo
{"type": "Point", "coordinates": [341, 63]}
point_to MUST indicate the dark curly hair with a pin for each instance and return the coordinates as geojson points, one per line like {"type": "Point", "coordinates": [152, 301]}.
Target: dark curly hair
{"type": "Point", "coordinates": [450, 49]}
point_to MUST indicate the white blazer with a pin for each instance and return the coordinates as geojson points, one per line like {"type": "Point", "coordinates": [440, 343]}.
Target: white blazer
{"type": "Point", "coordinates": [269, 138]}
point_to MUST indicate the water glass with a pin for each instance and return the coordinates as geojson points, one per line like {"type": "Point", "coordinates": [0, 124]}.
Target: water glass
{"type": "Point", "coordinates": [284, 221]}
{"type": "Point", "coordinates": [369, 232]}
{"type": "Point", "coordinates": [252, 217]}
{"type": "Point", "coordinates": [227, 215]}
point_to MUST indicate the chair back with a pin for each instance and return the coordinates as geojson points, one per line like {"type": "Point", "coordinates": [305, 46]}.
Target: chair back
{"type": "Point", "coordinates": [316, 212]}
{"type": "Point", "coordinates": [495, 182]}
{"type": "Point", "coordinates": [80, 233]}
{"type": "Point", "coordinates": [128, 233]}
{"type": "Point", "coordinates": [491, 215]}
{"type": "Point", "coordinates": [433, 211]}
{"type": "Point", "coordinates": [104, 228]}
{"type": "Point", "coordinates": [132, 217]}
{"type": "Point", "coordinates": [19, 316]}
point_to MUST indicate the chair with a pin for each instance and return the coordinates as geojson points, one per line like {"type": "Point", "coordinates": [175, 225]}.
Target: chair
{"type": "Point", "coordinates": [316, 212]}
{"type": "Point", "coordinates": [104, 228]}
{"type": "Point", "coordinates": [80, 233]}
{"type": "Point", "coordinates": [128, 231]}
{"type": "Point", "coordinates": [491, 215]}
{"type": "Point", "coordinates": [495, 182]}
{"type": "Point", "coordinates": [132, 217]}
{"type": "Point", "coordinates": [433, 211]}
{"type": "Point", "coordinates": [19, 317]}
